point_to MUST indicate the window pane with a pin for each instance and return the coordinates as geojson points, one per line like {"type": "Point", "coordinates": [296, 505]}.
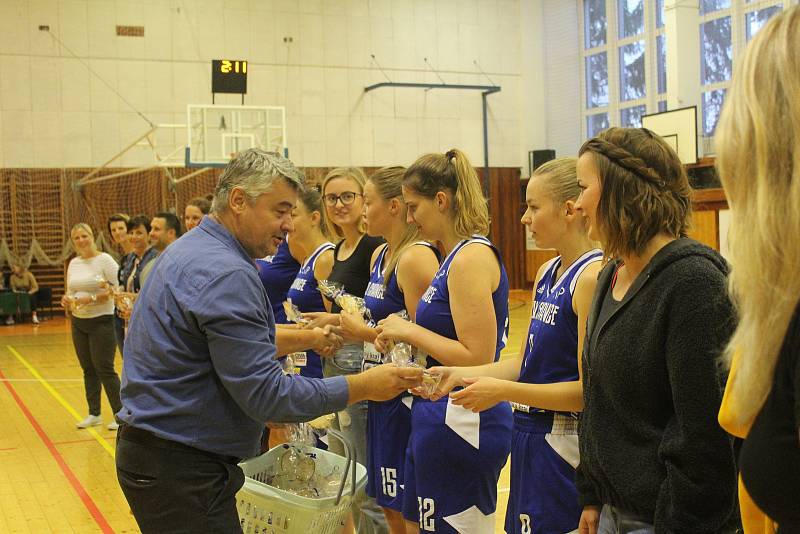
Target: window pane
{"type": "Point", "coordinates": [631, 17]}
{"type": "Point", "coordinates": [756, 19]}
{"type": "Point", "coordinates": [717, 51]}
{"type": "Point", "coordinates": [659, 13]}
{"type": "Point", "coordinates": [594, 22]}
{"type": "Point", "coordinates": [632, 117]}
{"type": "Point", "coordinates": [661, 65]}
{"type": "Point", "coordinates": [631, 72]}
{"type": "Point", "coordinates": [597, 80]}
{"type": "Point", "coordinates": [662, 106]}
{"type": "Point", "coordinates": [596, 124]}
{"type": "Point", "coordinates": [712, 106]}
{"type": "Point", "coordinates": [709, 6]}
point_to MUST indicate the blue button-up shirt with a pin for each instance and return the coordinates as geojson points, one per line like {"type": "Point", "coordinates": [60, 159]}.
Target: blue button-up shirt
{"type": "Point", "coordinates": [199, 363]}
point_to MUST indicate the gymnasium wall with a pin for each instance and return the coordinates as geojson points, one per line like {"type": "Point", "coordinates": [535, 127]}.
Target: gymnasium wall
{"type": "Point", "coordinates": [54, 113]}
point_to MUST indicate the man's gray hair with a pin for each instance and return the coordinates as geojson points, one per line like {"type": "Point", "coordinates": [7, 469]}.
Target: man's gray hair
{"type": "Point", "coordinates": [254, 170]}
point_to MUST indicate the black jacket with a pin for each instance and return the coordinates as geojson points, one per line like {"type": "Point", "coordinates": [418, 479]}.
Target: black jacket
{"type": "Point", "coordinates": [649, 439]}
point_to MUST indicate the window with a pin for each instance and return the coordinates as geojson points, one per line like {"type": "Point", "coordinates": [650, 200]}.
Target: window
{"type": "Point", "coordinates": [632, 117]}
{"type": "Point", "coordinates": [725, 28]}
{"type": "Point", "coordinates": [631, 18]}
{"type": "Point", "coordinates": [596, 124]}
{"type": "Point", "coordinates": [594, 13]}
{"type": "Point", "coordinates": [712, 107]}
{"type": "Point", "coordinates": [620, 79]}
{"type": "Point", "coordinates": [710, 6]}
{"type": "Point", "coordinates": [754, 20]}
{"type": "Point", "coordinates": [661, 46]}
{"type": "Point", "coordinates": [716, 61]}
{"type": "Point", "coordinates": [631, 61]}
{"type": "Point", "coordinates": [597, 80]}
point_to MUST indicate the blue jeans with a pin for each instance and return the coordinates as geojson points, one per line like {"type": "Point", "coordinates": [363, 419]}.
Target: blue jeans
{"type": "Point", "coordinates": [615, 521]}
{"type": "Point", "coordinates": [352, 422]}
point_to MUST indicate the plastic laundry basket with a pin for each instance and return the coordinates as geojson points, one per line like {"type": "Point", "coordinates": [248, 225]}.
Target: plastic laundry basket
{"type": "Point", "coordinates": [264, 509]}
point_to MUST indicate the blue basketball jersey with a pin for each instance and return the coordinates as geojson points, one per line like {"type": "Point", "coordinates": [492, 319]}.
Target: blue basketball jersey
{"type": "Point", "coordinates": [277, 272]}
{"type": "Point", "coordinates": [551, 352]}
{"type": "Point", "coordinates": [388, 422]}
{"type": "Point", "coordinates": [306, 296]}
{"type": "Point", "coordinates": [455, 456]}
{"type": "Point", "coordinates": [383, 299]}
{"type": "Point", "coordinates": [543, 497]}
{"type": "Point", "coordinates": [433, 311]}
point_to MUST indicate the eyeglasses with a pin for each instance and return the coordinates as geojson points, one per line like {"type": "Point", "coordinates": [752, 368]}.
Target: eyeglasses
{"type": "Point", "coordinates": [347, 198]}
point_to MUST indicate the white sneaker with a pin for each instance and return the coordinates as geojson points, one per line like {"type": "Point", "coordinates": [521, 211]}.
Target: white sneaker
{"type": "Point", "coordinates": [35, 320]}
{"type": "Point", "coordinates": [10, 320]}
{"type": "Point", "coordinates": [113, 425]}
{"type": "Point", "coordinates": [91, 420]}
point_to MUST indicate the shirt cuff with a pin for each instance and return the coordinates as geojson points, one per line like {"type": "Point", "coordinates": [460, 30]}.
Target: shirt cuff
{"type": "Point", "coordinates": [338, 393]}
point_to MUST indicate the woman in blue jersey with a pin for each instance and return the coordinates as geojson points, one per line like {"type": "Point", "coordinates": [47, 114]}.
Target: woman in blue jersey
{"type": "Point", "coordinates": [277, 273]}
{"type": "Point", "coordinates": [454, 456]}
{"type": "Point", "coordinates": [317, 263]}
{"type": "Point", "coordinates": [543, 382]}
{"type": "Point", "coordinates": [401, 271]}
{"type": "Point", "coordinates": [343, 196]}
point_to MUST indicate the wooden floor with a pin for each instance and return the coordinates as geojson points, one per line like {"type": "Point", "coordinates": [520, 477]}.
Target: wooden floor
{"type": "Point", "coordinates": [56, 478]}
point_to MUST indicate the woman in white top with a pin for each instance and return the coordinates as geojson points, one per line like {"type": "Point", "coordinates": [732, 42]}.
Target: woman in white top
{"type": "Point", "coordinates": [88, 297]}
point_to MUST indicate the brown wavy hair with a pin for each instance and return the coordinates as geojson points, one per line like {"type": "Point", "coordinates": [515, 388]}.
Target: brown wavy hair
{"type": "Point", "coordinates": [644, 189]}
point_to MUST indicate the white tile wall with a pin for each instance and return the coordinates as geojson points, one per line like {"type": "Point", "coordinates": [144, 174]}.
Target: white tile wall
{"type": "Point", "coordinates": [14, 36]}
{"type": "Point", "coordinates": [55, 112]}
{"type": "Point", "coordinates": [15, 82]}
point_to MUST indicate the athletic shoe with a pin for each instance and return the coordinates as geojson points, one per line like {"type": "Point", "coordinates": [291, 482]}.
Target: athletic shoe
{"type": "Point", "coordinates": [91, 420]}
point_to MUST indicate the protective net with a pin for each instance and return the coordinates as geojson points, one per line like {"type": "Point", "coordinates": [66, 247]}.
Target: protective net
{"type": "Point", "coordinates": [38, 207]}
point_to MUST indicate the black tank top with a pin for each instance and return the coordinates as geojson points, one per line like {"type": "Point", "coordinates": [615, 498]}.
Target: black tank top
{"type": "Point", "coordinates": [770, 457]}
{"type": "Point", "coordinates": [354, 272]}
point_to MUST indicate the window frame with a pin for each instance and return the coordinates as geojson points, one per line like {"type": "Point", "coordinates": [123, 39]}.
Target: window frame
{"type": "Point", "coordinates": [738, 12]}
{"type": "Point", "coordinates": [612, 48]}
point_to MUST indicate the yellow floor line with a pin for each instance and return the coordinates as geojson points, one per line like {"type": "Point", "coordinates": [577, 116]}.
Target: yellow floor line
{"type": "Point", "coordinates": [61, 400]}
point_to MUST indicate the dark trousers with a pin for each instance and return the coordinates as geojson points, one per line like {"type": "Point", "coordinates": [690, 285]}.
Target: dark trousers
{"type": "Point", "coordinates": [94, 344]}
{"type": "Point", "coordinates": [119, 333]}
{"type": "Point", "coordinates": [172, 488]}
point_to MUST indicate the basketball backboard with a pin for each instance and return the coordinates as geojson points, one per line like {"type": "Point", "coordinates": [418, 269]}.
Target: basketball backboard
{"type": "Point", "coordinates": [218, 132]}
{"type": "Point", "coordinates": [678, 127]}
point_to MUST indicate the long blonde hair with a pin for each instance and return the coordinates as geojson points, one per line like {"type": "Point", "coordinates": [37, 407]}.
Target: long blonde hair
{"type": "Point", "coordinates": [452, 172]}
{"type": "Point", "coordinates": [357, 175]}
{"type": "Point", "coordinates": [389, 181]}
{"type": "Point", "coordinates": [759, 165]}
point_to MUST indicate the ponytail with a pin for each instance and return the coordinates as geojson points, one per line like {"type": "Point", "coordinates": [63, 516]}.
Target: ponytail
{"type": "Point", "coordinates": [452, 173]}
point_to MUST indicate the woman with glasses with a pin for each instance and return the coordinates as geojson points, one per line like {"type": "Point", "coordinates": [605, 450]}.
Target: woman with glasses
{"type": "Point", "coordinates": [402, 270]}
{"type": "Point", "coordinates": [343, 196]}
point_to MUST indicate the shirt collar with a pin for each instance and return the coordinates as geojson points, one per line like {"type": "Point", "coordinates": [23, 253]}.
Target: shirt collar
{"type": "Point", "coordinates": [222, 234]}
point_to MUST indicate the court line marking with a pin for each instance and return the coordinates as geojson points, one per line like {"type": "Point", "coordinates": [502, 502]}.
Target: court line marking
{"type": "Point", "coordinates": [61, 400]}
{"type": "Point", "coordinates": [37, 380]}
{"type": "Point", "coordinates": [84, 496]}
{"type": "Point", "coordinates": [70, 442]}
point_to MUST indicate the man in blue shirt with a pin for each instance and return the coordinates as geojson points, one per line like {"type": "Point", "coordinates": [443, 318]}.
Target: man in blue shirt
{"type": "Point", "coordinates": [200, 378]}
